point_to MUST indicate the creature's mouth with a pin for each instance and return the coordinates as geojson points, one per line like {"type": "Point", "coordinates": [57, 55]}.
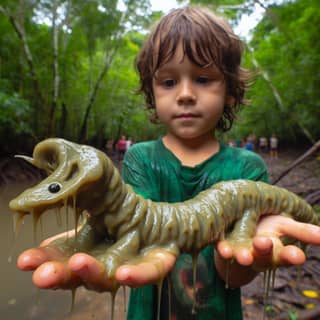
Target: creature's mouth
{"type": "Point", "coordinates": [15, 206]}
{"type": "Point", "coordinates": [61, 208]}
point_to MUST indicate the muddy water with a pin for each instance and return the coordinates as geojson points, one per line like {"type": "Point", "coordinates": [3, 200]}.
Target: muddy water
{"type": "Point", "coordinates": [19, 299]}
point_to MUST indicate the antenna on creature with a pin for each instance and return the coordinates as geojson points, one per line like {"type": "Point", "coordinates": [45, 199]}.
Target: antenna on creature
{"type": "Point", "coordinates": [26, 158]}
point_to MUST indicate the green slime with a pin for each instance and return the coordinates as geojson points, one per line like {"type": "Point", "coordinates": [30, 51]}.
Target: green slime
{"type": "Point", "coordinates": [121, 227]}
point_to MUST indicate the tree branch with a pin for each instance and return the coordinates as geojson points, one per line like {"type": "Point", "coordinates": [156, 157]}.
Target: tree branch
{"type": "Point", "coordinates": [20, 31]}
{"type": "Point", "coordinates": [308, 153]}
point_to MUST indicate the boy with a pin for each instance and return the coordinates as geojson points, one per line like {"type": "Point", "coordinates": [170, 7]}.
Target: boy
{"type": "Point", "coordinates": [191, 76]}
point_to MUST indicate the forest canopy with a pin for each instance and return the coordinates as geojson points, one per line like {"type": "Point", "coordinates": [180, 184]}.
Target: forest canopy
{"type": "Point", "coordinates": [67, 70]}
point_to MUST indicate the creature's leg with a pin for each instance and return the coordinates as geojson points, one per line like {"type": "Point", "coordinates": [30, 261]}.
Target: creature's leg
{"type": "Point", "coordinates": [119, 253]}
{"type": "Point", "coordinates": [127, 251]}
{"type": "Point", "coordinates": [85, 239]}
{"type": "Point", "coordinates": [244, 230]}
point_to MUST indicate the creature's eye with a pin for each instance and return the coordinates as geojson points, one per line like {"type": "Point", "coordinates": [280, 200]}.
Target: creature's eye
{"type": "Point", "coordinates": [54, 187]}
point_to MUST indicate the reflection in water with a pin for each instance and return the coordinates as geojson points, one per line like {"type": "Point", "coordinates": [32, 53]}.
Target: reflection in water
{"type": "Point", "coordinates": [19, 299]}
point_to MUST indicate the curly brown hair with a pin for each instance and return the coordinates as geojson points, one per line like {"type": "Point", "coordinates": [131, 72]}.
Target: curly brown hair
{"type": "Point", "coordinates": [207, 40]}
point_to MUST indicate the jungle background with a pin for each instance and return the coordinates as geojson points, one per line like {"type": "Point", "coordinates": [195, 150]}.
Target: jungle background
{"type": "Point", "coordinates": [67, 70]}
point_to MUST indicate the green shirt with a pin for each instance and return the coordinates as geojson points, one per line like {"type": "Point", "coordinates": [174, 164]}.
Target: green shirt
{"type": "Point", "coordinates": [155, 173]}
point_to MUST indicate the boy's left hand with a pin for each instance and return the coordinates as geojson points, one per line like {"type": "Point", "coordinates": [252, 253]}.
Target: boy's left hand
{"type": "Point", "coordinates": [52, 269]}
{"type": "Point", "coordinates": [268, 249]}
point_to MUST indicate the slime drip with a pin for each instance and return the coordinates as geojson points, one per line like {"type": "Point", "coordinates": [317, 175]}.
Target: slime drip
{"type": "Point", "coordinates": [269, 277]}
{"type": "Point", "coordinates": [194, 282]}
{"type": "Point", "coordinates": [124, 293]}
{"type": "Point", "coordinates": [18, 221]}
{"type": "Point", "coordinates": [113, 299]}
{"type": "Point", "coordinates": [58, 216]}
{"type": "Point", "coordinates": [67, 218]}
{"type": "Point", "coordinates": [35, 220]}
{"type": "Point", "coordinates": [228, 263]}
{"type": "Point", "coordinates": [268, 284]}
{"type": "Point", "coordinates": [73, 299]}
{"type": "Point", "coordinates": [159, 293]}
{"type": "Point", "coordinates": [169, 296]}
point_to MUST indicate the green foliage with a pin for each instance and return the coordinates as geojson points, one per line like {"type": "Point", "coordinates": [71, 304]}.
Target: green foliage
{"type": "Point", "coordinates": [288, 53]}
{"type": "Point", "coordinates": [232, 9]}
{"type": "Point", "coordinates": [91, 32]}
{"type": "Point", "coordinates": [317, 209]}
{"type": "Point", "coordinates": [269, 310]}
{"type": "Point", "coordinates": [121, 110]}
{"type": "Point", "coordinates": [293, 315]}
{"type": "Point", "coordinates": [14, 118]}
{"type": "Point", "coordinates": [14, 112]}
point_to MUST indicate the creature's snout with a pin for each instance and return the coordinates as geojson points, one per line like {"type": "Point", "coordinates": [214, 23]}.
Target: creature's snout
{"type": "Point", "coordinates": [71, 169]}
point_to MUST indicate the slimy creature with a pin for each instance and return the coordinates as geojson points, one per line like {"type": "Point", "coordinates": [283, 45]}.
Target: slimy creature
{"type": "Point", "coordinates": [121, 227]}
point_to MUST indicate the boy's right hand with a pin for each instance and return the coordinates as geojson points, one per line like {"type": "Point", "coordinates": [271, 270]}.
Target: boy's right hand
{"type": "Point", "coordinates": [268, 250]}
{"type": "Point", "coordinates": [51, 269]}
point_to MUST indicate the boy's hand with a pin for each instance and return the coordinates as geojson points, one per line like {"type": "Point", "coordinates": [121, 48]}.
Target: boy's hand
{"type": "Point", "coordinates": [268, 249]}
{"type": "Point", "coordinates": [54, 270]}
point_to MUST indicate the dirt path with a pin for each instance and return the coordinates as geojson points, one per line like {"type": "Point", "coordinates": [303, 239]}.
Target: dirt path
{"type": "Point", "coordinates": [303, 180]}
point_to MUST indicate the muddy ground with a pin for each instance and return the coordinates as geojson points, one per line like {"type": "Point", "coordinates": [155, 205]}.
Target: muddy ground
{"type": "Point", "coordinates": [296, 293]}
{"type": "Point", "coordinates": [288, 299]}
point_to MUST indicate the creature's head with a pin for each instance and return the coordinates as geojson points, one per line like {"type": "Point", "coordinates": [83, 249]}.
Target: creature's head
{"type": "Point", "coordinates": [72, 170]}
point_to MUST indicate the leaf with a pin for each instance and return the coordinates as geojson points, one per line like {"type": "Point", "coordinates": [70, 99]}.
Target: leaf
{"type": "Point", "coordinates": [249, 301]}
{"type": "Point", "coordinates": [310, 294]}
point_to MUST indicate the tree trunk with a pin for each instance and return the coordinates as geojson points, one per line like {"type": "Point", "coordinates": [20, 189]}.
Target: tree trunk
{"type": "Point", "coordinates": [56, 78]}
{"type": "Point", "coordinates": [93, 95]}
{"type": "Point", "coordinates": [20, 31]}
{"type": "Point", "coordinates": [108, 61]}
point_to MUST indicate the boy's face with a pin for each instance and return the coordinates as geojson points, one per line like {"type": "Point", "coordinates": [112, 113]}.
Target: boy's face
{"type": "Point", "coordinates": [189, 99]}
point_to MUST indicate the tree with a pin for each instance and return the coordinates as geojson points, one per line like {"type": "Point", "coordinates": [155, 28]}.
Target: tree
{"type": "Point", "coordinates": [289, 59]}
{"type": "Point", "coordinates": [283, 50]}
{"type": "Point", "coordinates": [68, 47]}
{"type": "Point", "coordinates": [19, 16]}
